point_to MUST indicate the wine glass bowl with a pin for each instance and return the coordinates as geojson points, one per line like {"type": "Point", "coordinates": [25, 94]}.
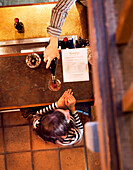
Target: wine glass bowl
{"type": "Point", "coordinates": [54, 85]}
{"type": "Point", "coordinates": [33, 60]}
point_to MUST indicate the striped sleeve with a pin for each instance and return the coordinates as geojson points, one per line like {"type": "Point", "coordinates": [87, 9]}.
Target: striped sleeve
{"type": "Point", "coordinates": [45, 109]}
{"type": "Point", "coordinates": [41, 112]}
{"type": "Point", "coordinates": [77, 120]}
{"type": "Point", "coordinates": [74, 135]}
{"type": "Point", "coordinates": [58, 16]}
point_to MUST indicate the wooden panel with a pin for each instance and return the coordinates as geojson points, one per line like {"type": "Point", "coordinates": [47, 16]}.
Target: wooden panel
{"type": "Point", "coordinates": [22, 86]}
{"type": "Point", "coordinates": [125, 23]}
{"type": "Point", "coordinates": [107, 80]}
{"type": "Point", "coordinates": [127, 101]}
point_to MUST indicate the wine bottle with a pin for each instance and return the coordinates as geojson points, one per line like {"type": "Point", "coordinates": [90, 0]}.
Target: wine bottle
{"type": "Point", "coordinates": [18, 25]}
{"type": "Point", "coordinates": [52, 69]}
{"type": "Point", "coordinates": [53, 66]}
{"type": "Point", "coordinates": [54, 84]}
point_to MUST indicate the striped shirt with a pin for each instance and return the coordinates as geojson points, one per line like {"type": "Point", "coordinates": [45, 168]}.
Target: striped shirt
{"type": "Point", "coordinates": [58, 16]}
{"type": "Point", "coordinates": [74, 134]}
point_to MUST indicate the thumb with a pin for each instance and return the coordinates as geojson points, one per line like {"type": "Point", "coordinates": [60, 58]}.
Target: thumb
{"type": "Point", "coordinates": [58, 56]}
{"type": "Point", "coordinates": [48, 64]}
{"type": "Point", "coordinates": [45, 59]}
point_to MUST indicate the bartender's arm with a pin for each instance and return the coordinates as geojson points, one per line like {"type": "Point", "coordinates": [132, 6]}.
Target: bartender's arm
{"type": "Point", "coordinates": [58, 16]}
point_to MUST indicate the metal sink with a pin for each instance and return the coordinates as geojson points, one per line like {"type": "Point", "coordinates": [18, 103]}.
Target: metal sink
{"type": "Point", "coordinates": [20, 46]}
{"type": "Point", "coordinates": [27, 45]}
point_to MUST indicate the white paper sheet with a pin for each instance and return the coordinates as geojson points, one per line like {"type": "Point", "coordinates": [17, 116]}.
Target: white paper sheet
{"type": "Point", "coordinates": [75, 65]}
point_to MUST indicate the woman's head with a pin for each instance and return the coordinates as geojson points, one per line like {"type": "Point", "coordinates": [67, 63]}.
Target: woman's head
{"type": "Point", "coordinates": [55, 124]}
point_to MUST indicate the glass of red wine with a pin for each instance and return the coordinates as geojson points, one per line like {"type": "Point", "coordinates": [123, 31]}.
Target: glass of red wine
{"type": "Point", "coordinates": [54, 84]}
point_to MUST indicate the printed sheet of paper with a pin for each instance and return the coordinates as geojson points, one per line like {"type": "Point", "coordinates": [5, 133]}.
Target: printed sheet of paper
{"type": "Point", "coordinates": [75, 65]}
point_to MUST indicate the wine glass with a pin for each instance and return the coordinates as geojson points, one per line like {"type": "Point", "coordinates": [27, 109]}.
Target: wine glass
{"type": "Point", "coordinates": [33, 60]}
{"type": "Point", "coordinates": [54, 84]}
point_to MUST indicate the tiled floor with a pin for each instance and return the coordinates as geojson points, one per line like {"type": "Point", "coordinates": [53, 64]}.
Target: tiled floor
{"type": "Point", "coordinates": [21, 149]}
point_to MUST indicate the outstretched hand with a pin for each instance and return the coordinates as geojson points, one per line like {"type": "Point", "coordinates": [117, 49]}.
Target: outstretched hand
{"type": "Point", "coordinates": [70, 102]}
{"type": "Point", "coordinates": [61, 101]}
{"type": "Point", "coordinates": [51, 51]}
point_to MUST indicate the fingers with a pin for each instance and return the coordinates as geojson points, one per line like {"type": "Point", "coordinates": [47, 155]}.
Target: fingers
{"type": "Point", "coordinates": [70, 101]}
{"type": "Point", "coordinates": [70, 98]}
{"type": "Point", "coordinates": [45, 56]}
{"type": "Point", "coordinates": [45, 59]}
{"type": "Point", "coordinates": [69, 91]}
{"type": "Point", "coordinates": [49, 54]}
{"type": "Point", "coordinates": [67, 94]}
{"type": "Point", "coordinates": [48, 63]}
{"type": "Point", "coordinates": [58, 56]}
{"type": "Point", "coordinates": [66, 101]}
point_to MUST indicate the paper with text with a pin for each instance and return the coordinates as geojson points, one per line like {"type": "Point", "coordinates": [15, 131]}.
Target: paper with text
{"type": "Point", "coordinates": [75, 65]}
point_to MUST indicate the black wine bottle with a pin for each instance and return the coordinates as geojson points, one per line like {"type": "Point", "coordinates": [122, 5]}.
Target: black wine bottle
{"type": "Point", "coordinates": [54, 84]}
{"type": "Point", "coordinates": [18, 25]}
{"type": "Point", "coordinates": [53, 66]}
{"type": "Point", "coordinates": [52, 69]}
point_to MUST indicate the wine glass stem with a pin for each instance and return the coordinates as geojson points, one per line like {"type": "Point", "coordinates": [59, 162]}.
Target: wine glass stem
{"type": "Point", "coordinates": [53, 79]}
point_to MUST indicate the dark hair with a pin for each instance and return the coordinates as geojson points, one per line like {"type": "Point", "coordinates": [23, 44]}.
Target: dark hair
{"type": "Point", "coordinates": [53, 125]}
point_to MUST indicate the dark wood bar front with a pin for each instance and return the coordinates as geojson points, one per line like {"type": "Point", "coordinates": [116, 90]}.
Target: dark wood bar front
{"type": "Point", "coordinates": [23, 87]}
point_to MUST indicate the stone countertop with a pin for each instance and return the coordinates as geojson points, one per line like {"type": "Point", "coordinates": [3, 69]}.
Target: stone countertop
{"type": "Point", "coordinates": [22, 86]}
{"type": "Point", "coordinates": [36, 19]}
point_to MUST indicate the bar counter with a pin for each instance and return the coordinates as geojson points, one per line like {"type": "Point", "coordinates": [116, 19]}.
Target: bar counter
{"type": "Point", "coordinates": [23, 87]}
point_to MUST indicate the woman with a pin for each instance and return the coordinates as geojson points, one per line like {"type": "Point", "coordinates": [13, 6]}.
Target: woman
{"type": "Point", "coordinates": [59, 122]}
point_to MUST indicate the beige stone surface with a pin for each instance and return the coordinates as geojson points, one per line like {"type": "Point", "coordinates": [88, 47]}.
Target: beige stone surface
{"type": "Point", "coordinates": [2, 166]}
{"type": "Point", "coordinates": [19, 161]}
{"type": "Point", "coordinates": [36, 18]}
{"type": "Point", "coordinates": [72, 159]}
{"type": "Point", "coordinates": [17, 138]}
{"type": "Point", "coordinates": [94, 162]}
{"type": "Point", "coordinates": [46, 160]}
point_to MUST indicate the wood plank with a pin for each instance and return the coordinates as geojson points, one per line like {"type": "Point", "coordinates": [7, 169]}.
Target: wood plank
{"type": "Point", "coordinates": [107, 84]}
{"type": "Point", "coordinates": [125, 23]}
{"type": "Point", "coordinates": [38, 105]}
{"type": "Point", "coordinates": [22, 86]}
{"type": "Point", "coordinates": [127, 101]}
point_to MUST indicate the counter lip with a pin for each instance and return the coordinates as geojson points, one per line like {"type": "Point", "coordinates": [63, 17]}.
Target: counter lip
{"type": "Point", "coordinates": [38, 105]}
